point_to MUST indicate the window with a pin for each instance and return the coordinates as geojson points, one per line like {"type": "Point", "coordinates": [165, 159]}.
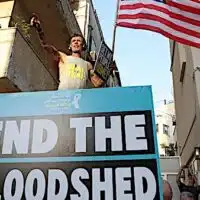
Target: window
{"type": "Point", "coordinates": [183, 67]}
{"type": "Point", "coordinates": [165, 129]}
{"type": "Point", "coordinates": [157, 128]}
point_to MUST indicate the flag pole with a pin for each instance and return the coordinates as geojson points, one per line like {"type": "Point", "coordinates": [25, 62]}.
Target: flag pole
{"type": "Point", "coordinates": [115, 28]}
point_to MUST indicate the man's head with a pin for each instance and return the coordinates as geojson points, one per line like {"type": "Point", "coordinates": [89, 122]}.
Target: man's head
{"type": "Point", "coordinates": [77, 43]}
{"type": "Point", "coordinates": [167, 191]}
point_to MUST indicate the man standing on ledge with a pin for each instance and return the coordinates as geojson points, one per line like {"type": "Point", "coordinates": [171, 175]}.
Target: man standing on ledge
{"type": "Point", "coordinates": [74, 72]}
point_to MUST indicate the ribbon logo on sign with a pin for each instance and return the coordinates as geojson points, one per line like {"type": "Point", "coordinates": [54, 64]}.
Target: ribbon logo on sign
{"type": "Point", "coordinates": [63, 102]}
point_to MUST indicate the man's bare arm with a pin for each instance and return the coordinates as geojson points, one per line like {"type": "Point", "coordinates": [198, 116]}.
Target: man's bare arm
{"type": "Point", "coordinates": [35, 22]}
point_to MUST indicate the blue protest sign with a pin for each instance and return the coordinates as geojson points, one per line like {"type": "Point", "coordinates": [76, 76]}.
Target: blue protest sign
{"type": "Point", "coordinates": [79, 144]}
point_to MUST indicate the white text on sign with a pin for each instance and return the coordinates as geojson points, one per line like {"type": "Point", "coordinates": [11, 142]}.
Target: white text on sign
{"type": "Point", "coordinates": [127, 185]}
{"type": "Point", "coordinates": [45, 133]}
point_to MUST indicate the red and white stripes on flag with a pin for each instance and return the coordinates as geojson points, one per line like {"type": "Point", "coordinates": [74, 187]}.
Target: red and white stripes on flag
{"type": "Point", "coordinates": [178, 20]}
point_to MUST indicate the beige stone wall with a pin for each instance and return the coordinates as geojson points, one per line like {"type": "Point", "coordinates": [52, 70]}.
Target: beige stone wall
{"type": "Point", "coordinates": [6, 41]}
{"type": "Point", "coordinates": [5, 13]}
{"type": "Point", "coordinates": [186, 105]}
{"type": "Point", "coordinates": [6, 8]}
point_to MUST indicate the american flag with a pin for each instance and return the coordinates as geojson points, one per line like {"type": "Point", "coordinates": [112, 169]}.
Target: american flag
{"type": "Point", "coordinates": [178, 20]}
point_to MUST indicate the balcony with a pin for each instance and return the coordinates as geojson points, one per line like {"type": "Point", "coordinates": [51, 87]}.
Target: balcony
{"type": "Point", "coordinates": [20, 67]}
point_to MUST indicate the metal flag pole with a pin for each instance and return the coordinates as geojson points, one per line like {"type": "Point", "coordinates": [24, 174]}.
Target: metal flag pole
{"type": "Point", "coordinates": [115, 27]}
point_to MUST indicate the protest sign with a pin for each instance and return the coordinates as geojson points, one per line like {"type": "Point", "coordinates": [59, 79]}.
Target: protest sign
{"type": "Point", "coordinates": [104, 60]}
{"type": "Point", "coordinates": [79, 144]}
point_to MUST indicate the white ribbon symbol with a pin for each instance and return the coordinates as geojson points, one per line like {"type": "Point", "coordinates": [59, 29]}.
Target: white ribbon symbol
{"type": "Point", "coordinates": [75, 102]}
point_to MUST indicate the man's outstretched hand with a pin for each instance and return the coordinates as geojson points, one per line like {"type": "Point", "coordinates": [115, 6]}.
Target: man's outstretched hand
{"type": "Point", "coordinates": [95, 79]}
{"type": "Point", "coordinates": [34, 21]}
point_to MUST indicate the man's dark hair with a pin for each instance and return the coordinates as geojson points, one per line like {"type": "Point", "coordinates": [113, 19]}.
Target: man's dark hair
{"type": "Point", "coordinates": [83, 39]}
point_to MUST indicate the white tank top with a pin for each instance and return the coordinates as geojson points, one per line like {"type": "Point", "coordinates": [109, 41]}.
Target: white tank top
{"type": "Point", "coordinates": [73, 73]}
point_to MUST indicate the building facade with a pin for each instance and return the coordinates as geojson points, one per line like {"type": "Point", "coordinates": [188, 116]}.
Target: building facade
{"type": "Point", "coordinates": [166, 128]}
{"type": "Point", "coordinates": [24, 65]}
{"type": "Point", "coordinates": [186, 80]}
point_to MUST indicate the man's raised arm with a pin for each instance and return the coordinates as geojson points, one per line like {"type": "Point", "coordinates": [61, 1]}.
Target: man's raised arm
{"type": "Point", "coordinates": [35, 22]}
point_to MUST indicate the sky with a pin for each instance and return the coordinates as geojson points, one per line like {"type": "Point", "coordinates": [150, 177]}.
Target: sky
{"type": "Point", "coordinates": [142, 57]}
